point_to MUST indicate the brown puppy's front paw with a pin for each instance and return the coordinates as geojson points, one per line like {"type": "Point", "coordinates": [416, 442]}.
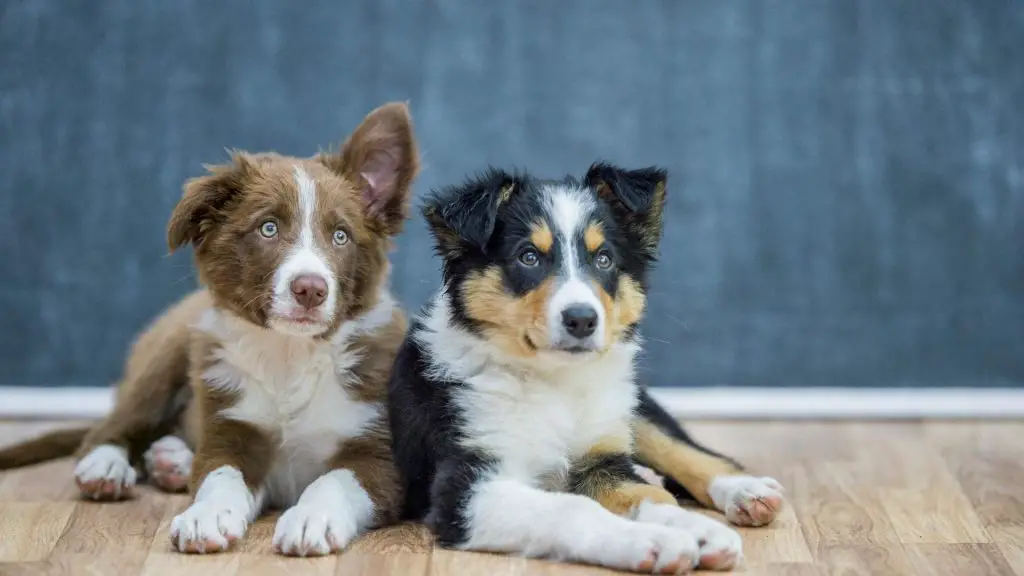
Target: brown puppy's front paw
{"type": "Point", "coordinates": [747, 500]}
{"type": "Point", "coordinates": [206, 528]}
{"type": "Point", "coordinates": [105, 473]}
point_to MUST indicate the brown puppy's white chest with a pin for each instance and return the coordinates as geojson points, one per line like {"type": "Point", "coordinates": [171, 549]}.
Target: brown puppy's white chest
{"type": "Point", "coordinates": [300, 392]}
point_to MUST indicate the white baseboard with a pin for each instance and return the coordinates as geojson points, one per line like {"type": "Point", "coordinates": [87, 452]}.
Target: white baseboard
{"type": "Point", "coordinates": [707, 403]}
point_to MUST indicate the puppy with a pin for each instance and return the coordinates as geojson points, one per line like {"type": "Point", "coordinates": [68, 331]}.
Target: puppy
{"type": "Point", "coordinates": [276, 373]}
{"type": "Point", "coordinates": [515, 412]}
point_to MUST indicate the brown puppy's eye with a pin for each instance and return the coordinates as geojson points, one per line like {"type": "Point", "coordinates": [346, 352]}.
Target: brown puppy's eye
{"type": "Point", "coordinates": [529, 258]}
{"type": "Point", "coordinates": [340, 238]}
{"type": "Point", "coordinates": [268, 229]}
{"type": "Point", "coordinates": [603, 261]}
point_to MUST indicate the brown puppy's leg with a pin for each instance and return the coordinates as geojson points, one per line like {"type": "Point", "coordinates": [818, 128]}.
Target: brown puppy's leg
{"type": "Point", "coordinates": [606, 475]}
{"type": "Point", "coordinates": [712, 479]}
{"type": "Point", "coordinates": [228, 473]}
{"type": "Point", "coordinates": [362, 491]}
{"type": "Point", "coordinates": [148, 404]}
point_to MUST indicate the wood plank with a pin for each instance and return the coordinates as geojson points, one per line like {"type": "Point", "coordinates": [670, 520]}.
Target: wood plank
{"type": "Point", "coordinates": [1010, 541]}
{"type": "Point", "coordinates": [128, 562]}
{"type": "Point", "coordinates": [958, 560]}
{"type": "Point", "coordinates": [940, 516]}
{"type": "Point", "coordinates": [30, 531]}
{"type": "Point", "coordinates": [112, 527]}
{"type": "Point", "coordinates": [869, 560]}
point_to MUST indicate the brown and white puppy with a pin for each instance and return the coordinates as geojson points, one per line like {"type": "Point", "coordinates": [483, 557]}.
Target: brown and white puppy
{"type": "Point", "coordinates": [275, 373]}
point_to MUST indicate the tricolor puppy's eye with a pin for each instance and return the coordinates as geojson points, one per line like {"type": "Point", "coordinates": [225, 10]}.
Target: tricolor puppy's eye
{"type": "Point", "coordinates": [268, 229]}
{"type": "Point", "coordinates": [529, 258]}
{"type": "Point", "coordinates": [603, 261]}
{"type": "Point", "coordinates": [340, 238]}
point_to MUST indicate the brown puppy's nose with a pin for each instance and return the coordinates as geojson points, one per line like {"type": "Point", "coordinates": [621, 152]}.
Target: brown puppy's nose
{"type": "Point", "coordinates": [309, 290]}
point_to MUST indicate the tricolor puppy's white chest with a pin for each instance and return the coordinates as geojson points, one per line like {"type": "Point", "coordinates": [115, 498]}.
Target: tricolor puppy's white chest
{"type": "Point", "coordinates": [537, 427]}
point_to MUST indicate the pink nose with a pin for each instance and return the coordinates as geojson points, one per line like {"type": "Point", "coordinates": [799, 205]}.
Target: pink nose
{"type": "Point", "coordinates": [309, 290]}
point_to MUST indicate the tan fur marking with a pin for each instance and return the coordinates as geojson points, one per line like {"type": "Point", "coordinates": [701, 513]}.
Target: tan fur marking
{"type": "Point", "coordinates": [618, 444]}
{"type": "Point", "coordinates": [542, 238]}
{"type": "Point", "coordinates": [517, 325]}
{"type": "Point", "coordinates": [687, 465]}
{"type": "Point", "coordinates": [593, 237]}
{"type": "Point", "coordinates": [626, 496]}
{"type": "Point", "coordinates": [624, 310]}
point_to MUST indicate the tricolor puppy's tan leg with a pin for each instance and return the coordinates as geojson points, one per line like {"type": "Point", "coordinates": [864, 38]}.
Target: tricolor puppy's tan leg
{"type": "Point", "coordinates": [360, 492]}
{"type": "Point", "coordinates": [713, 480]}
{"type": "Point", "coordinates": [606, 475]}
{"type": "Point", "coordinates": [228, 472]}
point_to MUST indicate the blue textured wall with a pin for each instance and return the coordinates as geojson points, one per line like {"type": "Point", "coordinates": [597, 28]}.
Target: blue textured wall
{"type": "Point", "coordinates": [848, 177]}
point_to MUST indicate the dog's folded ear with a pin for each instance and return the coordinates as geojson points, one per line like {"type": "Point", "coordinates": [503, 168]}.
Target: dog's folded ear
{"type": "Point", "coordinates": [636, 196]}
{"type": "Point", "coordinates": [464, 216]}
{"type": "Point", "coordinates": [203, 199]}
{"type": "Point", "coordinates": [381, 157]}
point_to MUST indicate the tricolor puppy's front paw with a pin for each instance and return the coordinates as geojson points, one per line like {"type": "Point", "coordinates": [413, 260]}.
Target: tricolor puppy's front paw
{"type": "Point", "coordinates": [305, 530]}
{"type": "Point", "coordinates": [207, 527]}
{"type": "Point", "coordinates": [105, 473]}
{"type": "Point", "coordinates": [646, 548]}
{"type": "Point", "coordinates": [721, 547]}
{"type": "Point", "coordinates": [747, 500]}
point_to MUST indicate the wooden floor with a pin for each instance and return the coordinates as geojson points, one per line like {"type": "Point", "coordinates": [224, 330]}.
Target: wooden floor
{"type": "Point", "coordinates": [864, 498]}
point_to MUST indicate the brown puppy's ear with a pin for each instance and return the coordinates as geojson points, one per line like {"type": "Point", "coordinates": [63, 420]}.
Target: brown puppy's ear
{"type": "Point", "coordinates": [381, 157]}
{"type": "Point", "coordinates": [198, 210]}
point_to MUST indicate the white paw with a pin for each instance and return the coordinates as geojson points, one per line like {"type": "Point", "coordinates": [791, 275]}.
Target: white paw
{"type": "Point", "coordinates": [169, 463]}
{"type": "Point", "coordinates": [721, 547]}
{"type": "Point", "coordinates": [105, 473]}
{"type": "Point", "coordinates": [747, 500]}
{"type": "Point", "coordinates": [305, 530]}
{"type": "Point", "coordinates": [647, 548]}
{"type": "Point", "coordinates": [207, 527]}
{"type": "Point", "coordinates": [649, 475]}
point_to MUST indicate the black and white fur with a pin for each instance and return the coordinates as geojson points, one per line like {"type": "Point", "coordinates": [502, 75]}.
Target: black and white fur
{"type": "Point", "coordinates": [492, 440]}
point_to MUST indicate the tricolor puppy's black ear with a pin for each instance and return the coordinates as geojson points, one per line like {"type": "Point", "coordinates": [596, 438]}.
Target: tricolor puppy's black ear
{"type": "Point", "coordinates": [463, 217]}
{"type": "Point", "coordinates": [637, 197]}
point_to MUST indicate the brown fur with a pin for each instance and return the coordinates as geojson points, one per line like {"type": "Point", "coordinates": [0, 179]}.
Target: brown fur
{"type": "Point", "coordinates": [517, 325]}
{"type": "Point", "coordinates": [163, 391]}
{"type": "Point", "coordinates": [693, 469]}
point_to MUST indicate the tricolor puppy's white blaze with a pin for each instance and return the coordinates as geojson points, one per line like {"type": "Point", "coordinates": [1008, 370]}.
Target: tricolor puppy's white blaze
{"type": "Point", "coordinates": [570, 210]}
{"type": "Point", "coordinates": [305, 258]}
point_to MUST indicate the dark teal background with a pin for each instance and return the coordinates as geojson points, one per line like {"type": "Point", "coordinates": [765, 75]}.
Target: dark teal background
{"type": "Point", "coordinates": [847, 187]}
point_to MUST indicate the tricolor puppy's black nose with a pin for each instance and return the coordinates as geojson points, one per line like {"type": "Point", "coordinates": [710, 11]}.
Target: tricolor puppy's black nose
{"type": "Point", "coordinates": [580, 320]}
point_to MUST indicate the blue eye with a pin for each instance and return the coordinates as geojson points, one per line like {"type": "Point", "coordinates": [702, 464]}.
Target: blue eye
{"type": "Point", "coordinates": [268, 229]}
{"type": "Point", "coordinates": [529, 258]}
{"type": "Point", "coordinates": [340, 238]}
{"type": "Point", "coordinates": [603, 261]}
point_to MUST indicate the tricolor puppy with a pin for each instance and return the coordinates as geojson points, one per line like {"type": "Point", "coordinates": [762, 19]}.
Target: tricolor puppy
{"type": "Point", "coordinates": [516, 415]}
{"type": "Point", "coordinates": [267, 387]}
